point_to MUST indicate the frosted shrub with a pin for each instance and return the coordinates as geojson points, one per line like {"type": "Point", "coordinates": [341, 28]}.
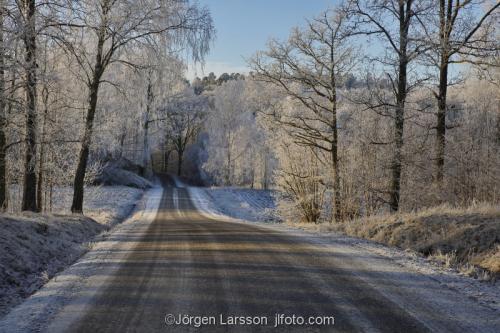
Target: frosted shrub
{"type": "Point", "coordinates": [299, 178]}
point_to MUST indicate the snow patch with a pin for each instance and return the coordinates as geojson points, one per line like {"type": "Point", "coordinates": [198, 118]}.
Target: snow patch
{"type": "Point", "coordinates": [237, 203]}
{"type": "Point", "coordinates": [122, 172]}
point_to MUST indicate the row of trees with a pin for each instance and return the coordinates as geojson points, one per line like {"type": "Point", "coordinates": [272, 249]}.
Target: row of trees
{"type": "Point", "coordinates": [370, 106]}
{"type": "Point", "coordinates": [75, 76]}
{"type": "Point", "coordinates": [414, 45]}
{"type": "Point", "coordinates": [215, 124]}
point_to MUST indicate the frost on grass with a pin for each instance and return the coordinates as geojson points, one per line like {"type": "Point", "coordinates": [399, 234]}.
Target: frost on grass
{"type": "Point", "coordinates": [464, 238]}
{"type": "Point", "coordinates": [122, 172]}
{"type": "Point", "coordinates": [34, 247]}
{"type": "Point", "coordinates": [244, 204]}
{"type": "Point", "coordinates": [105, 204]}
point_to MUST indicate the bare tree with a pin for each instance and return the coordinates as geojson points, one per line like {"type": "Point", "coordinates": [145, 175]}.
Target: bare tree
{"type": "Point", "coordinates": [309, 68]}
{"type": "Point", "coordinates": [114, 26]}
{"type": "Point", "coordinates": [184, 116]}
{"type": "Point", "coordinates": [226, 126]}
{"type": "Point", "coordinates": [146, 160]}
{"type": "Point", "coordinates": [46, 92]}
{"type": "Point", "coordinates": [378, 18]}
{"type": "Point", "coordinates": [461, 31]}
{"type": "Point", "coordinates": [28, 12]}
{"type": "Point", "coordinates": [163, 73]}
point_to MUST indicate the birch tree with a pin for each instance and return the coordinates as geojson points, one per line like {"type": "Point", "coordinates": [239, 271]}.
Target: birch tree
{"type": "Point", "coordinates": [162, 74]}
{"type": "Point", "coordinates": [226, 140]}
{"type": "Point", "coordinates": [98, 35]}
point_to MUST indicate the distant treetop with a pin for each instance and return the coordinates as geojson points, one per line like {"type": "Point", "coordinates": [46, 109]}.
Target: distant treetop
{"type": "Point", "coordinates": [211, 81]}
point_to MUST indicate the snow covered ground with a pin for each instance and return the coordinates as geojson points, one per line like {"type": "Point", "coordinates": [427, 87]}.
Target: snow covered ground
{"type": "Point", "coordinates": [105, 204]}
{"type": "Point", "coordinates": [244, 205]}
{"type": "Point", "coordinates": [385, 261]}
{"type": "Point", "coordinates": [38, 309]}
{"type": "Point", "coordinates": [34, 247]}
{"type": "Point", "coordinates": [238, 203]}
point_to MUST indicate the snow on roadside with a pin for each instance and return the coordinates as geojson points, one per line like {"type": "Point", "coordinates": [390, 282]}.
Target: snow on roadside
{"type": "Point", "coordinates": [36, 312]}
{"type": "Point", "coordinates": [105, 204]}
{"type": "Point", "coordinates": [483, 292]}
{"type": "Point", "coordinates": [238, 203]}
{"type": "Point", "coordinates": [226, 203]}
{"type": "Point", "coordinates": [34, 247]}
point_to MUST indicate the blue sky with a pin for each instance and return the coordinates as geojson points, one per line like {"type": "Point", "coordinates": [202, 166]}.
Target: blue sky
{"type": "Point", "coordinates": [244, 26]}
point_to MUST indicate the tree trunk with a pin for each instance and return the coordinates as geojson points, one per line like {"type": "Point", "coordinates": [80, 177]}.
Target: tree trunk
{"type": "Point", "coordinates": [441, 119]}
{"type": "Point", "coordinates": [29, 187]}
{"type": "Point", "coordinates": [51, 196]}
{"type": "Point", "coordinates": [400, 110]}
{"type": "Point", "coordinates": [3, 117]}
{"type": "Point", "coordinates": [229, 161]}
{"type": "Point", "coordinates": [146, 160]}
{"type": "Point", "coordinates": [166, 159]}
{"type": "Point", "coordinates": [180, 154]}
{"type": "Point", "coordinates": [93, 86]}
{"type": "Point", "coordinates": [498, 123]}
{"type": "Point", "coordinates": [397, 159]}
{"type": "Point", "coordinates": [266, 166]}
{"type": "Point", "coordinates": [445, 10]}
{"type": "Point", "coordinates": [146, 157]}
{"type": "Point", "coordinates": [444, 21]}
{"type": "Point", "coordinates": [122, 143]}
{"type": "Point", "coordinates": [79, 182]}
{"type": "Point", "coordinates": [335, 165]}
{"type": "Point", "coordinates": [39, 188]}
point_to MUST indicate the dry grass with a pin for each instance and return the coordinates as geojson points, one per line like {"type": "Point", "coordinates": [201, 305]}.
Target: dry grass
{"type": "Point", "coordinates": [464, 238]}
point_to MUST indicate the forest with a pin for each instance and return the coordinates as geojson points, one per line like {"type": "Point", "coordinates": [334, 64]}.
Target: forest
{"type": "Point", "coordinates": [329, 165]}
{"type": "Point", "coordinates": [367, 108]}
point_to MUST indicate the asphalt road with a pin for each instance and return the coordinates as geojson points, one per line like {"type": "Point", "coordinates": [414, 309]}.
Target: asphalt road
{"type": "Point", "coordinates": [187, 264]}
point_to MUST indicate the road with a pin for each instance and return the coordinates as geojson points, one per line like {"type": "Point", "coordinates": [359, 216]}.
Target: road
{"type": "Point", "coordinates": [184, 263]}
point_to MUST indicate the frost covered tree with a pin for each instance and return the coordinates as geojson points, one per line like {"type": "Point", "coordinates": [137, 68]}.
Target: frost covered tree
{"type": "Point", "coordinates": [100, 32]}
{"type": "Point", "coordinates": [183, 115]}
{"type": "Point", "coordinates": [396, 23]}
{"type": "Point", "coordinates": [234, 143]}
{"type": "Point", "coordinates": [225, 126]}
{"type": "Point", "coordinates": [161, 76]}
{"type": "Point", "coordinates": [309, 68]}
{"type": "Point", "coordinates": [459, 32]}
{"type": "Point", "coordinates": [28, 9]}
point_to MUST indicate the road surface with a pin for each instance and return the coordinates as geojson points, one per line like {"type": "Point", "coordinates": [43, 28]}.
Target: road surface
{"type": "Point", "coordinates": [185, 264]}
